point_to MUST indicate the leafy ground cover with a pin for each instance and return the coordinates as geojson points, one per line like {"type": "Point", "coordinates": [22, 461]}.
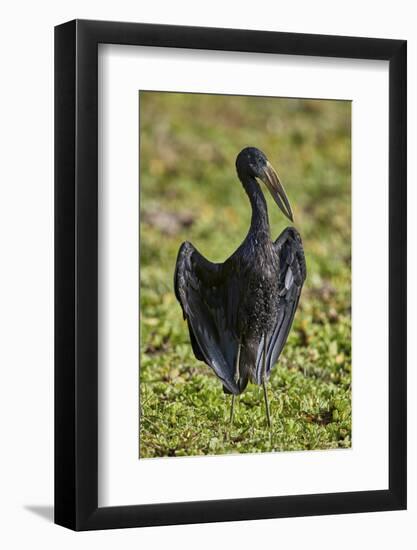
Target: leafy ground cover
{"type": "Point", "coordinates": [189, 191]}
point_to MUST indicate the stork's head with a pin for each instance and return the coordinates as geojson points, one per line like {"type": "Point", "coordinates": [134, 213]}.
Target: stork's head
{"type": "Point", "coordinates": [252, 162]}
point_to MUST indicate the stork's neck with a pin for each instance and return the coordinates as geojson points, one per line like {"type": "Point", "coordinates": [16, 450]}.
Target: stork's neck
{"type": "Point", "coordinates": [259, 221]}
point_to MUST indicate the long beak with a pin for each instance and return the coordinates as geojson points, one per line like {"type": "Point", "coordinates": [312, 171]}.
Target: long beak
{"type": "Point", "coordinates": [271, 180]}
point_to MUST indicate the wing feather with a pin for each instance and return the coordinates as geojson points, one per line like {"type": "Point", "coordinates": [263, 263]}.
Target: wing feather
{"type": "Point", "coordinates": [292, 274]}
{"type": "Point", "coordinates": [209, 303]}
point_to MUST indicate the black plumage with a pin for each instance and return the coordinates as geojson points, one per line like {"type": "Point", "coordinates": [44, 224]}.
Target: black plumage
{"type": "Point", "coordinates": [239, 312]}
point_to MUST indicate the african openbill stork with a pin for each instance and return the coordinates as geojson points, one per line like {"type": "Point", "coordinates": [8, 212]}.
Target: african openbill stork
{"type": "Point", "coordinates": [239, 312]}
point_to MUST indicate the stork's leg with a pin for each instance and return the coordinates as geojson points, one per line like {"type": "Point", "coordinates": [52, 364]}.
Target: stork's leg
{"type": "Point", "coordinates": [232, 409]}
{"type": "Point", "coordinates": [268, 415]}
{"type": "Point", "coordinates": [237, 376]}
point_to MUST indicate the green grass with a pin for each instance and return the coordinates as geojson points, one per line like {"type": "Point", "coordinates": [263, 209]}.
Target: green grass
{"type": "Point", "coordinates": [189, 191]}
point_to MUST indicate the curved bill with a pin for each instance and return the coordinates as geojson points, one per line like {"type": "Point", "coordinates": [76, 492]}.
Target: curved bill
{"type": "Point", "coordinates": [271, 180]}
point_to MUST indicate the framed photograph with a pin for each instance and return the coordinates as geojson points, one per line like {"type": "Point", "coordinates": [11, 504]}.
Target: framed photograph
{"type": "Point", "coordinates": [230, 252]}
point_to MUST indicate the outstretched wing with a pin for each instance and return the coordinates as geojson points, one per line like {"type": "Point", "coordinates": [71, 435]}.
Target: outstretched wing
{"type": "Point", "coordinates": [292, 274]}
{"type": "Point", "coordinates": [209, 304]}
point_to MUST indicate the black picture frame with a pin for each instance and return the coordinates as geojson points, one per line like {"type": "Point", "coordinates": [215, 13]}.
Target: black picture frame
{"type": "Point", "coordinates": [76, 272]}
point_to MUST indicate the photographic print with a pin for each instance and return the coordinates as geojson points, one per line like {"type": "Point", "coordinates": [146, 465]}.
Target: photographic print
{"type": "Point", "coordinates": [205, 234]}
{"type": "Point", "coordinates": [245, 274]}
